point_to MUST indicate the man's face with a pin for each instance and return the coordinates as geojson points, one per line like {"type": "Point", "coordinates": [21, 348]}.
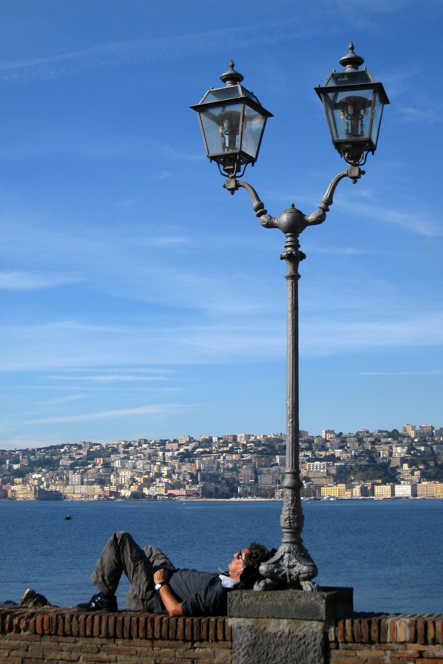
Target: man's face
{"type": "Point", "coordinates": [237, 565]}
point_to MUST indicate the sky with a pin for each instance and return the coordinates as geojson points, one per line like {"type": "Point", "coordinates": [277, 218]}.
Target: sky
{"type": "Point", "coordinates": [138, 299]}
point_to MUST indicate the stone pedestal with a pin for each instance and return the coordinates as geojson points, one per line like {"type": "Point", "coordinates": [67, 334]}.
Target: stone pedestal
{"type": "Point", "coordinates": [284, 626]}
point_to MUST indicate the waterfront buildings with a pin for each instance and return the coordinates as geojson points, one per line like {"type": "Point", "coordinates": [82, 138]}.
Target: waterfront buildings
{"type": "Point", "coordinates": [379, 464]}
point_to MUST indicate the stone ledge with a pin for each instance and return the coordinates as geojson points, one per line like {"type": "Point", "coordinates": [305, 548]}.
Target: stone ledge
{"type": "Point", "coordinates": [63, 622]}
{"type": "Point", "coordinates": [326, 604]}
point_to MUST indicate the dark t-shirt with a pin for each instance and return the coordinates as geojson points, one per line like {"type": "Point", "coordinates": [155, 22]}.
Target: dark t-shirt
{"type": "Point", "coordinates": [200, 594]}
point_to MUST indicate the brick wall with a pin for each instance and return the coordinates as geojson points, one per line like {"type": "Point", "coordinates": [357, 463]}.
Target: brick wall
{"type": "Point", "coordinates": [29, 636]}
{"type": "Point", "coordinates": [63, 636]}
{"type": "Point", "coordinates": [377, 639]}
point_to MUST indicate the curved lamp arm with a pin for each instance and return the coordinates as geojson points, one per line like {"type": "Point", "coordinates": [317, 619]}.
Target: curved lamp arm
{"type": "Point", "coordinates": [317, 217]}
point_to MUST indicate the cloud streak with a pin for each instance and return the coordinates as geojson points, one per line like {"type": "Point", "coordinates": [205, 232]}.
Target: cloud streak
{"type": "Point", "coordinates": [153, 409]}
{"type": "Point", "coordinates": [17, 280]}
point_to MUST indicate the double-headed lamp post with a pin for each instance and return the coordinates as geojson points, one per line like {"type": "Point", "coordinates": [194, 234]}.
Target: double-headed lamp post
{"type": "Point", "coordinates": [232, 121]}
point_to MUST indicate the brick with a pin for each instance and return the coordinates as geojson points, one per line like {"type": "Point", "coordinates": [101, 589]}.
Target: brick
{"type": "Point", "coordinates": [341, 638]}
{"type": "Point", "coordinates": [356, 629]}
{"type": "Point", "coordinates": [402, 631]}
{"type": "Point", "coordinates": [375, 630]}
{"type": "Point", "coordinates": [228, 631]}
{"type": "Point", "coordinates": [53, 622]}
{"type": "Point", "coordinates": [407, 654]}
{"type": "Point", "coordinates": [51, 656]}
{"type": "Point", "coordinates": [82, 624]}
{"type": "Point", "coordinates": [119, 626]}
{"type": "Point", "coordinates": [365, 631]}
{"type": "Point", "coordinates": [104, 626]}
{"type": "Point", "coordinates": [134, 627]}
{"type": "Point", "coordinates": [392, 630]}
{"type": "Point", "coordinates": [431, 632]}
{"type": "Point", "coordinates": [383, 630]}
{"type": "Point", "coordinates": [111, 625]}
{"type": "Point", "coordinates": [96, 625]}
{"type": "Point", "coordinates": [89, 624]}
{"type": "Point", "coordinates": [67, 626]}
{"type": "Point", "coordinates": [157, 627]}
{"type": "Point", "coordinates": [165, 628]}
{"type": "Point", "coordinates": [421, 631]}
{"type": "Point", "coordinates": [337, 658]}
{"type": "Point", "coordinates": [141, 629]}
{"type": "Point", "coordinates": [150, 627]}
{"type": "Point", "coordinates": [198, 655]}
{"type": "Point", "coordinates": [373, 652]}
{"type": "Point", "coordinates": [173, 628]}
{"type": "Point", "coordinates": [75, 626]}
{"type": "Point", "coordinates": [196, 625]}
{"type": "Point", "coordinates": [60, 625]}
{"type": "Point", "coordinates": [412, 630]}
{"type": "Point", "coordinates": [38, 624]}
{"type": "Point", "coordinates": [439, 630]}
{"type": "Point", "coordinates": [349, 636]}
{"type": "Point", "coordinates": [188, 629]}
{"type": "Point", "coordinates": [212, 630]}
{"type": "Point", "coordinates": [204, 629]}
{"type": "Point", "coordinates": [180, 632]}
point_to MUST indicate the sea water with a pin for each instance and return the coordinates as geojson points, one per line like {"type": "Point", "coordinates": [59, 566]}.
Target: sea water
{"type": "Point", "coordinates": [389, 551]}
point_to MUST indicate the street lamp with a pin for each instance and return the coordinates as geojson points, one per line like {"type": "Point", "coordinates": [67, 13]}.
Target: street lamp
{"type": "Point", "coordinates": [232, 121]}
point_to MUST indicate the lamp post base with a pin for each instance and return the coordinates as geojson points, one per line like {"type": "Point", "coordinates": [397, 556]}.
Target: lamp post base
{"type": "Point", "coordinates": [290, 567]}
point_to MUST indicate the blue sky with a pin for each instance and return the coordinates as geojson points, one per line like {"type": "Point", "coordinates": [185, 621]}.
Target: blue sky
{"type": "Point", "coordinates": [137, 297]}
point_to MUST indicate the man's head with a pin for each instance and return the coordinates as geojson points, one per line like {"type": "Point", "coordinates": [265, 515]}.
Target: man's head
{"type": "Point", "coordinates": [245, 564]}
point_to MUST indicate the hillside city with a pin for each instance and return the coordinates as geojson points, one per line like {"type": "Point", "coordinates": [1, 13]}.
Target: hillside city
{"type": "Point", "coordinates": [377, 464]}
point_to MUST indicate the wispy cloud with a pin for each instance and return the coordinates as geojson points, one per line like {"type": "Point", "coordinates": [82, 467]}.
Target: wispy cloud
{"type": "Point", "coordinates": [337, 336]}
{"type": "Point", "coordinates": [127, 52]}
{"type": "Point", "coordinates": [111, 378]}
{"type": "Point", "coordinates": [154, 409]}
{"type": "Point", "coordinates": [415, 221]}
{"type": "Point", "coordinates": [16, 280]}
{"type": "Point", "coordinates": [398, 373]}
{"type": "Point", "coordinates": [424, 115]}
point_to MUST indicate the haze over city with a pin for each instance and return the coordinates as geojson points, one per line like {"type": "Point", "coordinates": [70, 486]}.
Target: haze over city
{"type": "Point", "coordinates": [138, 299]}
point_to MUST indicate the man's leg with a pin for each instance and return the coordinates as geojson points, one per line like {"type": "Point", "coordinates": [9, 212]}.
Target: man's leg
{"type": "Point", "coordinates": [122, 554]}
{"type": "Point", "coordinates": [138, 593]}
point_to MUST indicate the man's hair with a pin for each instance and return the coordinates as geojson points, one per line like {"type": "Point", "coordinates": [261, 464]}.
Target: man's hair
{"type": "Point", "coordinates": [256, 555]}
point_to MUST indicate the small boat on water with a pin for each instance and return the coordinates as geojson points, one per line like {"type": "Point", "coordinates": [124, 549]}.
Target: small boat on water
{"type": "Point", "coordinates": [67, 517]}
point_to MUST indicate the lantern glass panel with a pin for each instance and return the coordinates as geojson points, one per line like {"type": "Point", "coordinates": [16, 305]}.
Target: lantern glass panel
{"type": "Point", "coordinates": [349, 114]}
{"type": "Point", "coordinates": [254, 124]}
{"type": "Point", "coordinates": [377, 112]}
{"type": "Point", "coordinates": [221, 94]}
{"type": "Point", "coordinates": [221, 128]}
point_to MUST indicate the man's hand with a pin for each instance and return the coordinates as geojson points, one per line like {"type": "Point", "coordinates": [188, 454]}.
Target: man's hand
{"type": "Point", "coordinates": [171, 603]}
{"type": "Point", "coordinates": [161, 576]}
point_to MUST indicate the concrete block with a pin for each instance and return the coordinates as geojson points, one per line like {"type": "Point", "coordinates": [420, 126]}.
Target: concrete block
{"type": "Point", "coordinates": [270, 641]}
{"type": "Point", "coordinates": [326, 604]}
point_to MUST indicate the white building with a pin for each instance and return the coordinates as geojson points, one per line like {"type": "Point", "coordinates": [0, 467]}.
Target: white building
{"type": "Point", "coordinates": [405, 490]}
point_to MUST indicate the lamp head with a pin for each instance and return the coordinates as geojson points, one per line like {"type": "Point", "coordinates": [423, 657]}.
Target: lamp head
{"type": "Point", "coordinates": [353, 104]}
{"type": "Point", "coordinates": [232, 122]}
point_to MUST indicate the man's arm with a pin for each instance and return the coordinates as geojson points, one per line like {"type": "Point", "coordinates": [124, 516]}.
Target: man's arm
{"type": "Point", "coordinates": [172, 605]}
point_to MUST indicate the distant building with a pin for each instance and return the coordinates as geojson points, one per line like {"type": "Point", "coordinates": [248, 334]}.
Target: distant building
{"type": "Point", "coordinates": [409, 430]}
{"type": "Point", "coordinates": [425, 490]}
{"type": "Point", "coordinates": [383, 490]}
{"type": "Point", "coordinates": [405, 490]}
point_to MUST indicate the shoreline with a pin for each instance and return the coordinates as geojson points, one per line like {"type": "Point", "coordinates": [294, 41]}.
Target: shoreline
{"type": "Point", "coordinates": [220, 500]}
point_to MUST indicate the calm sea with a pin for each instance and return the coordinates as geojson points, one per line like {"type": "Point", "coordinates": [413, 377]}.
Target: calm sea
{"type": "Point", "coordinates": [389, 551]}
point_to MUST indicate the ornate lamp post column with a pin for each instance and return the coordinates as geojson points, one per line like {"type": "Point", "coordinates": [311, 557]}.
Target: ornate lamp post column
{"type": "Point", "coordinates": [232, 123]}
